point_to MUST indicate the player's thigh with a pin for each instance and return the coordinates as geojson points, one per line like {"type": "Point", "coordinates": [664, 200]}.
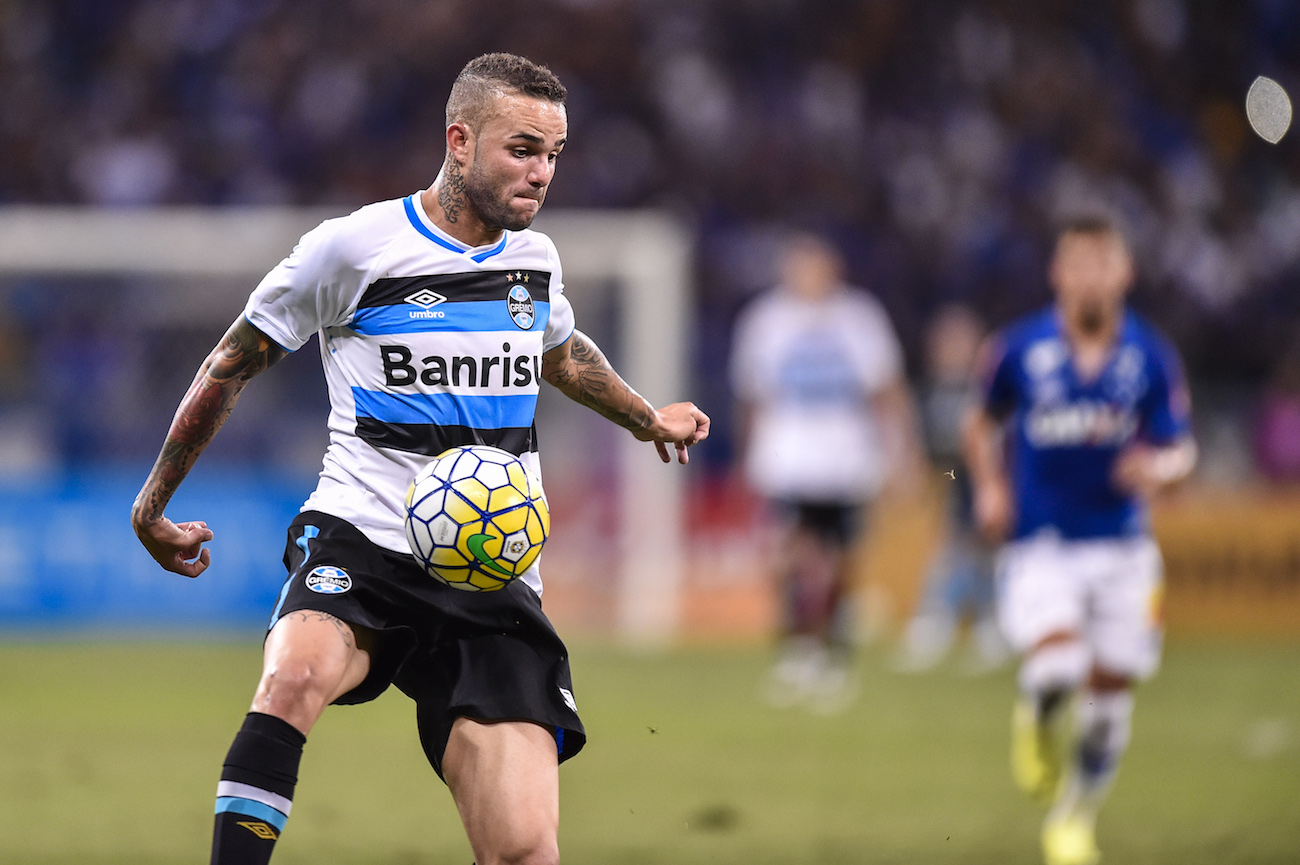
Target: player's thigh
{"type": "Point", "coordinates": [310, 654]}
{"type": "Point", "coordinates": [504, 776]}
{"type": "Point", "coordinates": [1126, 631]}
{"type": "Point", "coordinates": [1039, 593]}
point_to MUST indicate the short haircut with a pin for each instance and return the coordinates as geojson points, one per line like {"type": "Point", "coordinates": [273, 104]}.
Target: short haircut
{"type": "Point", "coordinates": [1091, 224]}
{"type": "Point", "coordinates": [492, 75]}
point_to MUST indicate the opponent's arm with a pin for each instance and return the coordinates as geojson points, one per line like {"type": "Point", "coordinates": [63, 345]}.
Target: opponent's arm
{"type": "Point", "coordinates": [1145, 470]}
{"type": "Point", "coordinates": [242, 353]}
{"type": "Point", "coordinates": [982, 448]}
{"type": "Point", "coordinates": [581, 372]}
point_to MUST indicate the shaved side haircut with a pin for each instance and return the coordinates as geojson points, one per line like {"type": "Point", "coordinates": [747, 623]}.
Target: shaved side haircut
{"type": "Point", "coordinates": [485, 78]}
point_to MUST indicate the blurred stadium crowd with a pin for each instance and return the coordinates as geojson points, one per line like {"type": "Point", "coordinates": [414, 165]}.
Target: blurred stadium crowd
{"type": "Point", "coordinates": [935, 142]}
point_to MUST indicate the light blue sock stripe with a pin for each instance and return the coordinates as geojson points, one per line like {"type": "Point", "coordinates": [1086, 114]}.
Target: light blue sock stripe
{"type": "Point", "coordinates": [252, 809]}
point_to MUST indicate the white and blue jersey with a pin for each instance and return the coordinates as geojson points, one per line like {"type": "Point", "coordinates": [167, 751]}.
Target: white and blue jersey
{"type": "Point", "coordinates": [810, 369]}
{"type": "Point", "coordinates": [1064, 433]}
{"type": "Point", "coordinates": [426, 344]}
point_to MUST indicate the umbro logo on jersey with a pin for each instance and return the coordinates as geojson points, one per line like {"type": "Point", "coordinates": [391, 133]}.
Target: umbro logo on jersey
{"type": "Point", "coordinates": [426, 299]}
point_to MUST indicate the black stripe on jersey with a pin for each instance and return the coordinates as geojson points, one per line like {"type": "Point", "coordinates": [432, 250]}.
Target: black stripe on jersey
{"type": "Point", "coordinates": [485, 285]}
{"type": "Point", "coordinates": [433, 439]}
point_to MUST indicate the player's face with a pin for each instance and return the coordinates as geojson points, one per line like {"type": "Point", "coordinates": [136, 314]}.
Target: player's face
{"type": "Point", "coordinates": [514, 160]}
{"type": "Point", "coordinates": [810, 268]}
{"type": "Point", "coordinates": [1091, 273]}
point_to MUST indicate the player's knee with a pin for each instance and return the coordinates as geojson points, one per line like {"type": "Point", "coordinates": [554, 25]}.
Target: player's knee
{"type": "Point", "coordinates": [293, 683]}
{"type": "Point", "coordinates": [1057, 665]}
{"type": "Point", "coordinates": [1109, 681]}
{"type": "Point", "coordinates": [536, 851]}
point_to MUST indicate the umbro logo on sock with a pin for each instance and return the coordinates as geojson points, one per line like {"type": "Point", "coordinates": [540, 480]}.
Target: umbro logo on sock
{"type": "Point", "coordinates": [260, 829]}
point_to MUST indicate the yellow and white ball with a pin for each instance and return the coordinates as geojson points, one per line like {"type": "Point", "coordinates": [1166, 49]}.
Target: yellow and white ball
{"type": "Point", "coordinates": [476, 518]}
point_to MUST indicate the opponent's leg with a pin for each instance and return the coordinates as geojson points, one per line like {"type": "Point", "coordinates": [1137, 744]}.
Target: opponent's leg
{"type": "Point", "coordinates": [1049, 676]}
{"type": "Point", "coordinates": [1104, 721]}
{"type": "Point", "coordinates": [505, 779]}
{"type": "Point", "coordinates": [309, 660]}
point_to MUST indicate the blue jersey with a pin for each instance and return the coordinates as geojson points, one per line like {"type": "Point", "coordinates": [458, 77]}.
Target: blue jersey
{"type": "Point", "coordinates": [1064, 433]}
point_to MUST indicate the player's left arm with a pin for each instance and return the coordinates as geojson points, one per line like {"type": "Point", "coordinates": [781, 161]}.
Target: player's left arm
{"type": "Point", "coordinates": [579, 369]}
{"type": "Point", "coordinates": [1166, 453]}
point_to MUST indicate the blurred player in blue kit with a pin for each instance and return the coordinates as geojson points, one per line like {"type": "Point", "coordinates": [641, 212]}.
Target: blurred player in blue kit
{"type": "Point", "coordinates": [1096, 416]}
{"type": "Point", "coordinates": [826, 418]}
{"type": "Point", "coordinates": [438, 314]}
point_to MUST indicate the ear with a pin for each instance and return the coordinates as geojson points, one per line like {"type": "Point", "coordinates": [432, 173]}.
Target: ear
{"type": "Point", "coordinates": [460, 143]}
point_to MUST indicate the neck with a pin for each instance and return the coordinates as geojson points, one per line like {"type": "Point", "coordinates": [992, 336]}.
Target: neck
{"type": "Point", "coordinates": [1100, 337]}
{"type": "Point", "coordinates": [447, 206]}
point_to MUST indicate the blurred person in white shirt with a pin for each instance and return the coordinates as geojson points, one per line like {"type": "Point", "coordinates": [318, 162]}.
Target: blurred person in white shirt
{"type": "Point", "coordinates": [826, 418]}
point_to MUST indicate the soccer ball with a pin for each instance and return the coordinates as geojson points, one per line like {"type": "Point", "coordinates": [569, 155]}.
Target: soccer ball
{"type": "Point", "coordinates": [476, 518]}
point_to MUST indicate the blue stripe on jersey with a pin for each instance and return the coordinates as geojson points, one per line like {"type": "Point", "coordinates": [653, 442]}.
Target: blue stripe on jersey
{"type": "Point", "coordinates": [481, 412]}
{"type": "Point", "coordinates": [250, 808]}
{"type": "Point", "coordinates": [480, 257]}
{"type": "Point", "coordinates": [478, 315]}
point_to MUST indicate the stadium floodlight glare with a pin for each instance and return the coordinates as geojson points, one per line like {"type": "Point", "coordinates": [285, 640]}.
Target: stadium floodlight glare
{"type": "Point", "coordinates": [643, 256]}
{"type": "Point", "coordinates": [1268, 109]}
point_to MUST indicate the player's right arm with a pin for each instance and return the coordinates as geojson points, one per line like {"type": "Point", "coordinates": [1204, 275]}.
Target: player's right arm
{"type": "Point", "coordinates": [242, 353]}
{"type": "Point", "coordinates": [982, 447]}
{"type": "Point", "coordinates": [981, 441]}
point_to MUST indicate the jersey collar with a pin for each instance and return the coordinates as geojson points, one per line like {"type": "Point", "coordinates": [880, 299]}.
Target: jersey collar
{"type": "Point", "coordinates": [420, 222]}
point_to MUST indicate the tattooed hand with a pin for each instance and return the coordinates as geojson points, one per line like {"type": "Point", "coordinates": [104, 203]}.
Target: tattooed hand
{"type": "Point", "coordinates": [580, 370]}
{"type": "Point", "coordinates": [242, 353]}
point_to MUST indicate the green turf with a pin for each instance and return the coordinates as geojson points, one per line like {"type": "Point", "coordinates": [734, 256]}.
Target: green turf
{"type": "Point", "coordinates": [109, 753]}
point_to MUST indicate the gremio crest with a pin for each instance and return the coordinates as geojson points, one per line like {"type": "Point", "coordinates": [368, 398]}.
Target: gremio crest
{"type": "Point", "coordinates": [520, 305]}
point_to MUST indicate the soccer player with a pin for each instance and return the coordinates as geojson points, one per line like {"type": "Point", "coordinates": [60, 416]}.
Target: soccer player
{"type": "Point", "coordinates": [437, 316]}
{"type": "Point", "coordinates": [959, 583]}
{"type": "Point", "coordinates": [825, 412]}
{"type": "Point", "coordinates": [1095, 412]}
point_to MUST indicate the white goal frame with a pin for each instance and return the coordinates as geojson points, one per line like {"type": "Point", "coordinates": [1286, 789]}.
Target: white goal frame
{"type": "Point", "coordinates": [645, 255]}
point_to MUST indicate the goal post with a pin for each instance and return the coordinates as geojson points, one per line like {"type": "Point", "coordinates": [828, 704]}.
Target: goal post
{"type": "Point", "coordinates": [643, 256]}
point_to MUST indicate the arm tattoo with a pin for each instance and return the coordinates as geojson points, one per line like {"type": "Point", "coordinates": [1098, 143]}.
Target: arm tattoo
{"type": "Point", "coordinates": [344, 629]}
{"type": "Point", "coordinates": [451, 192]}
{"type": "Point", "coordinates": [589, 379]}
{"type": "Point", "coordinates": [242, 353]}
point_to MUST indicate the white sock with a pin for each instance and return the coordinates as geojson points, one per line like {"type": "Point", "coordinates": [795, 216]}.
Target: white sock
{"type": "Point", "coordinates": [1104, 723]}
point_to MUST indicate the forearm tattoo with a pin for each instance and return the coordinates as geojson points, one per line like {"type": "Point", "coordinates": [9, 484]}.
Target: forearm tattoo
{"type": "Point", "coordinates": [589, 379]}
{"type": "Point", "coordinates": [451, 192]}
{"type": "Point", "coordinates": [243, 353]}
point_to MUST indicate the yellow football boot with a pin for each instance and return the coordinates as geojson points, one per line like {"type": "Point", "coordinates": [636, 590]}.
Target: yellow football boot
{"type": "Point", "coordinates": [1070, 840]}
{"type": "Point", "coordinates": [1035, 753]}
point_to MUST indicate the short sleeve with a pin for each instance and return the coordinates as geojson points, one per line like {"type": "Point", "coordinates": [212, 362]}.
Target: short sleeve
{"type": "Point", "coordinates": [561, 323]}
{"type": "Point", "coordinates": [882, 355]}
{"type": "Point", "coordinates": [314, 287]}
{"type": "Point", "coordinates": [746, 362]}
{"type": "Point", "coordinates": [1167, 405]}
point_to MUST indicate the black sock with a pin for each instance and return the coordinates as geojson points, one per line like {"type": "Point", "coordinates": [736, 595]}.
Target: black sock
{"type": "Point", "coordinates": [256, 790]}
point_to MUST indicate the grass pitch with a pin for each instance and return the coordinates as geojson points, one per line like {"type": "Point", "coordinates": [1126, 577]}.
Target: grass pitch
{"type": "Point", "coordinates": [109, 753]}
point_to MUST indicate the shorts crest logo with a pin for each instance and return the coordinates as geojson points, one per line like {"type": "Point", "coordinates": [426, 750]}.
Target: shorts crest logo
{"type": "Point", "coordinates": [520, 305]}
{"type": "Point", "coordinates": [329, 580]}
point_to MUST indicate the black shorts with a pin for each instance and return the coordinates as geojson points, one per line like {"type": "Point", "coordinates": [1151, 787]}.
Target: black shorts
{"type": "Point", "coordinates": [491, 656]}
{"type": "Point", "coordinates": [836, 523]}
